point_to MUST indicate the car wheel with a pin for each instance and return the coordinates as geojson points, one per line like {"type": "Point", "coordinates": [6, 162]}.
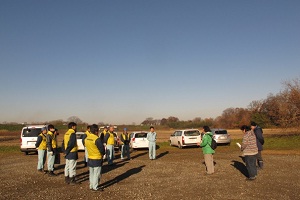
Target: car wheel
{"type": "Point", "coordinates": [179, 145]}
{"type": "Point", "coordinates": [26, 153]}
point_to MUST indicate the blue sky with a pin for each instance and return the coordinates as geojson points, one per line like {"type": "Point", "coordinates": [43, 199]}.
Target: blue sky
{"type": "Point", "coordinates": [123, 61]}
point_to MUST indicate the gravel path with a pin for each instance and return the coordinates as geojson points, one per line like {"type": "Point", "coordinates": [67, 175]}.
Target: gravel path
{"type": "Point", "coordinates": [175, 174]}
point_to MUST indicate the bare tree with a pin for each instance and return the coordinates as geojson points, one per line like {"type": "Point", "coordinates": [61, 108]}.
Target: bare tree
{"type": "Point", "coordinates": [292, 94]}
{"type": "Point", "coordinates": [233, 118]}
{"type": "Point", "coordinates": [75, 119]}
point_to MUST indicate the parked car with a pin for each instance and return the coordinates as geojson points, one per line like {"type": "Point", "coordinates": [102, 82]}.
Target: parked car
{"type": "Point", "coordinates": [79, 140]}
{"type": "Point", "coordinates": [184, 138]}
{"type": "Point", "coordinates": [139, 140]}
{"type": "Point", "coordinates": [28, 138]}
{"type": "Point", "coordinates": [221, 136]}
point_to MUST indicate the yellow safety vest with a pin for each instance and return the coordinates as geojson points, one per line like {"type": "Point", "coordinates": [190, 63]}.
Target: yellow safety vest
{"type": "Point", "coordinates": [90, 144]}
{"type": "Point", "coordinates": [53, 137]}
{"type": "Point", "coordinates": [43, 145]}
{"type": "Point", "coordinates": [102, 134]}
{"type": "Point", "coordinates": [111, 138]}
{"type": "Point", "coordinates": [87, 133]}
{"type": "Point", "coordinates": [125, 137]}
{"type": "Point", "coordinates": [67, 139]}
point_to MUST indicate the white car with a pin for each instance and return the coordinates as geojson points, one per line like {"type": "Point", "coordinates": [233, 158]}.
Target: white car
{"type": "Point", "coordinates": [79, 140]}
{"type": "Point", "coordinates": [28, 138]}
{"type": "Point", "coordinates": [184, 138]}
{"type": "Point", "coordinates": [139, 140]}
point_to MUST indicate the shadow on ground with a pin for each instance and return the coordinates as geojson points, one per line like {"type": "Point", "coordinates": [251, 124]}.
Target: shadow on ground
{"type": "Point", "coordinates": [140, 154]}
{"type": "Point", "coordinates": [123, 176]}
{"type": "Point", "coordinates": [240, 166]}
{"type": "Point", "coordinates": [162, 154]}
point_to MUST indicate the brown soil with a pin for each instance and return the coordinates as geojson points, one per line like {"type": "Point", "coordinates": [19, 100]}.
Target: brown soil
{"type": "Point", "coordinates": [175, 174]}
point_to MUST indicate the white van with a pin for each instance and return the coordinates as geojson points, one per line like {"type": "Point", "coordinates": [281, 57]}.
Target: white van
{"type": "Point", "coordinates": [29, 136]}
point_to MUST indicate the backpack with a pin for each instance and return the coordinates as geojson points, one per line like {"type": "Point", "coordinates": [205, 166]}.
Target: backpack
{"type": "Point", "coordinates": [213, 144]}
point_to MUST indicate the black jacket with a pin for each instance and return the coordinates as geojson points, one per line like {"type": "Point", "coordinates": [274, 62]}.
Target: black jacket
{"type": "Point", "coordinates": [259, 138]}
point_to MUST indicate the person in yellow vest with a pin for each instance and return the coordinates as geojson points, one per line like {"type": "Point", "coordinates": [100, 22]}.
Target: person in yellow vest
{"type": "Point", "coordinates": [125, 139]}
{"type": "Point", "coordinates": [87, 132]}
{"type": "Point", "coordinates": [41, 145]}
{"type": "Point", "coordinates": [95, 151]}
{"type": "Point", "coordinates": [109, 139]}
{"type": "Point", "coordinates": [71, 153]}
{"type": "Point", "coordinates": [51, 149]}
{"type": "Point", "coordinates": [103, 133]}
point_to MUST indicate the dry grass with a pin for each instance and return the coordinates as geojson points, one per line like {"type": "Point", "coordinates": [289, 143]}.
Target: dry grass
{"type": "Point", "coordinates": [164, 135]}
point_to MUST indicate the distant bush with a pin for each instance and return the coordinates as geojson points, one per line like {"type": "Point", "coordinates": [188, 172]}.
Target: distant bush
{"type": "Point", "coordinates": [11, 127]}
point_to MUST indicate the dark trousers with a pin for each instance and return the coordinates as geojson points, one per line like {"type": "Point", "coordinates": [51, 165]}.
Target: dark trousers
{"type": "Point", "coordinates": [259, 157]}
{"type": "Point", "coordinates": [251, 165]}
{"type": "Point", "coordinates": [260, 161]}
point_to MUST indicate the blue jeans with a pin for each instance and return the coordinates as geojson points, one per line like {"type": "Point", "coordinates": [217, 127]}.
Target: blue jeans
{"type": "Point", "coordinates": [125, 151]}
{"type": "Point", "coordinates": [41, 159]}
{"type": "Point", "coordinates": [152, 150]}
{"type": "Point", "coordinates": [50, 160]}
{"type": "Point", "coordinates": [95, 175]}
{"type": "Point", "coordinates": [110, 153]}
{"type": "Point", "coordinates": [251, 165]}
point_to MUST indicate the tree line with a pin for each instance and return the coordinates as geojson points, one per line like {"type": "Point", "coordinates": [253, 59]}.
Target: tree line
{"type": "Point", "coordinates": [280, 110]}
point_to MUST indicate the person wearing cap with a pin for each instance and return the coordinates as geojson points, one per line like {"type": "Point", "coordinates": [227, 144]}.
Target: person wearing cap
{"type": "Point", "coordinates": [260, 142]}
{"type": "Point", "coordinates": [250, 150]}
{"type": "Point", "coordinates": [51, 149]}
{"type": "Point", "coordinates": [95, 151]}
{"type": "Point", "coordinates": [41, 145]}
{"type": "Point", "coordinates": [83, 136]}
{"type": "Point", "coordinates": [151, 137]}
{"type": "Point", "coordinates": [125, 139]}
{"type": "Point", "coordinates": [71, 153]}
{"type": "Point", "coordinates": [109, 139]}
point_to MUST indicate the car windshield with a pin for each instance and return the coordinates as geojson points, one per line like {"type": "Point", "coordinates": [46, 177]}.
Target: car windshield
{"type": "Point", "coordinates": [78, 136]}
{"type": "Point", "coordinates": [192, 133]}
{"type": "Point", "coordinates": [140, 135]}
{"type": "Point", "coordinates": [219, 132]}
{"type": "Point", "coordinates": [31, 132]}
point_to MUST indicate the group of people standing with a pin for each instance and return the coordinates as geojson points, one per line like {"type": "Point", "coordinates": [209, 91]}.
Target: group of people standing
{"type": "Point", "coordinates": [97, 146]}
{"type": "Point", "coordinates": [251, 147]}
{"type": "Point", "coordinates": [47, 147]}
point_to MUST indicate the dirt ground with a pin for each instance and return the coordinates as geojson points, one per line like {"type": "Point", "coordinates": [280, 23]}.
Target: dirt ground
{"type": "Point", "coordinates": [175, 174]}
